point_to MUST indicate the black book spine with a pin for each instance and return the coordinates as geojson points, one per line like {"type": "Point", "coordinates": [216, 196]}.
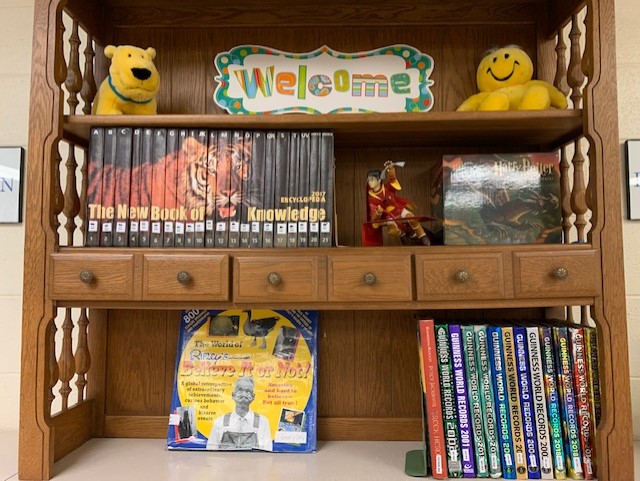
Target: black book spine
{"type": "Point", "coordinates": [123, 186]}
{"type": "Point", "coordinates": [189, 147]}
{"type": "Point", "coordinates": [201, 195]}
{"type": "Point", "coordinates": [223, 180]}
{"type": "Point", "coordinates": [281, 189]}
{"type": "Point", "coordinates": [293, 190]}
{"type": "Point", "coordinates": [314, 187]}
{"type": "Point", "coordinates": [134, 191]}
{"type": "Point", "coordinates": [326, 189]}
{"type": "Point", "coordinates": [210, 201]}
{"type": "Point", "coordinates": [268, 199]}
{"type": "Point", "coordinates": [304, 193]}
{"type": "Point", "coordinates": [108, 187]}
{"type": "Point", "coordinates": [157, 187]}
{"type": "Point", "coordinates": [170, 179]}
{"type": "Point", "coordinates": [254, 198]}
{"type": "Point", "coordinates": [94, 186]}
{"type": "Point", "coordinates": [146, 182]}
{"type": "Point", "coordinates": [245, 195]}
{"type": "Point", "coordinates": [235, 188]}
{"type": "Point", "coordinates": [181, 188]}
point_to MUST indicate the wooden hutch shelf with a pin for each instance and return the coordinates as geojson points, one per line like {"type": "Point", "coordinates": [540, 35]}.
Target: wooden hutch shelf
{"type": "Point", "coordinates": [544, 130]}
{"type": "Point", "coordinates": [114, 379]}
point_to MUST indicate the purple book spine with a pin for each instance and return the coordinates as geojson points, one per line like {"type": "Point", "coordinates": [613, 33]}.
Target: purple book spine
{"type": "Point", "coordinates": [462, 402]}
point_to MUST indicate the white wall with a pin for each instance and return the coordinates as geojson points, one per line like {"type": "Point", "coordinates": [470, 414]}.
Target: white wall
{"type": "Point", "coordinates": [16, 27]}
{"type": "Point", "coordinates": [628, 57]}
{"type": "Point", "coordinates": [16, 23]}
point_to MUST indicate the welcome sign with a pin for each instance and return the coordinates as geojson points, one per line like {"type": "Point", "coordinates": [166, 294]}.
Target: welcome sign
{"type": "Point", "coordinates": [261, 80]}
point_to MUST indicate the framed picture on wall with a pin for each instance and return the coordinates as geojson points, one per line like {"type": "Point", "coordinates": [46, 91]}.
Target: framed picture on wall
{"type": "Point", "coordinates": [11, 159]}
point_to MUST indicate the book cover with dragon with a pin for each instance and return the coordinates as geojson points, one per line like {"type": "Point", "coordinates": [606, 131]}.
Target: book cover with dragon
{"type": "Point", "coordinates": [499, 198]}
{"type": "Point", "coordinates": [245, 380]}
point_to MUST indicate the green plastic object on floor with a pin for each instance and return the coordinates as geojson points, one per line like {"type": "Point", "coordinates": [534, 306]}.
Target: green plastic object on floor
{"type": "Point", "coordinates": [415, 463]}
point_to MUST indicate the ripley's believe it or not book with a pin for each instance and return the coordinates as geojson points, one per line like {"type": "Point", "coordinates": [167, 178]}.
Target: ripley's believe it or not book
{"type": "Point", "coordinates": [245, 380]}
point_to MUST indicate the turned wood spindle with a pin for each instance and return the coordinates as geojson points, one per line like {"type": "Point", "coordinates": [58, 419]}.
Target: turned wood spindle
{"type": "Point", "coordinates": [58, 196]}
{"type": "Point", "coordinates": [575, 77]}
{"type": "Point", "coordinates": [82, 357]}
{"type": "Point", "coordinates": [66, 363]}
{"type": "Point", "coordinates": [82, 213]}
{"type": "Point", "coordinates": [71, 200]}
{"type": "Point", "coordinates": [73, 81]}
{"type": "Point", "coordinates": [578, 203]}
{"type": "Point", "coordinates": [54, 373]}
{"type": "Point", "coordinates": [560, 82]}
{"type": "Point", "coordinates": [89, 88]}
{"type": "Point", "coordinates": [60, 67]}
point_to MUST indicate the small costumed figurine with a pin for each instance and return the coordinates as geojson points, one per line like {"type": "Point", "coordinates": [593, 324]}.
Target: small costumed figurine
{"type": "Point", "coordinates": [387, 209]}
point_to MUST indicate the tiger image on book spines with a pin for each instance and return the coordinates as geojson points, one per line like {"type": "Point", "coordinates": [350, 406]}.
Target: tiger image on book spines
{"type": "Point", "coordinates": [197, 180]}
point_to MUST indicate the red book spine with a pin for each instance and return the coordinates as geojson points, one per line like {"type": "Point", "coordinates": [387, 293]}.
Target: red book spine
{"type": "Point", "coordinates": [581, 386]}
{"type": "Point", "coordinates": [433, 399]}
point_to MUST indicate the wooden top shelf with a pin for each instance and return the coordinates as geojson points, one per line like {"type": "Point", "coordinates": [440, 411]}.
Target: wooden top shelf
{"type": "Point", "coordinates": [546, 129]}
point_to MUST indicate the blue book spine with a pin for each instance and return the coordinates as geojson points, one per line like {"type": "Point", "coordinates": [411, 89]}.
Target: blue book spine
{"type": "Point", "coordinates": [553, 402]}
{"type": "Point", "coordinates": [526, 403]}
{"type": "Point", "coordinates": [462, 402]}
{"type": "Point", "coordinates": [496, 358]}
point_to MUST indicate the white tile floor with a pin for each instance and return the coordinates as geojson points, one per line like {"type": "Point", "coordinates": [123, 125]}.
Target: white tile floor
{"type": "Point", "coordinates": [125, 459]}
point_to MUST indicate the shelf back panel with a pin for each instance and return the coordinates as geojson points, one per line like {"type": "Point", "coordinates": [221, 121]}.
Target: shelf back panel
{"type": "Point", "coordinates": [185, 56]}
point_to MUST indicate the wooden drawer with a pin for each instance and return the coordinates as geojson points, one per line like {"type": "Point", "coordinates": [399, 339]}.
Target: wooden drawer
{"type": "Point", "coordinates": [542, 274]}
{"type": "Point", "coordinates": [278, 279]}
{"type": "Point", "coordinates": [185, 277]}
{"type": "Point", "coordinates": [93, 277]}
{"type": "Point", "coordinates": [467, 277]}
{"type": "Point", "coordinates": [370, 278]}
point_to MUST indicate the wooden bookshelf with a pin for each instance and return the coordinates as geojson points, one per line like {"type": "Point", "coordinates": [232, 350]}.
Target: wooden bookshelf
{"type": "Point", "coordinates": [120, 368]}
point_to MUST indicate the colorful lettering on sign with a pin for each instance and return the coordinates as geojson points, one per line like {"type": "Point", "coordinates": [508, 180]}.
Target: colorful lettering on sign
{"type": "Point", "coordinates": [259, 80]}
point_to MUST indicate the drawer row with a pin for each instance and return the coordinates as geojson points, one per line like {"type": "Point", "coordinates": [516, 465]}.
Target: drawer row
{"type": "Point", "coordinates": [341, 277]}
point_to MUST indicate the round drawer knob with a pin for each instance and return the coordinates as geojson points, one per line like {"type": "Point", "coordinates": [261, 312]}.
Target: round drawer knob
{"type": "Point", "coordinates": [86, 276]}
{"type": "Point", "coordinates": [560, 273]}
{"type": "Point", "coordinates": [370, 278]}
{"type": "Point", "coordinates": [274, 278]}
{"type": "Point", "coordinates": [184, 277]}
{"type": "Point", "coordinates": [462, 275]}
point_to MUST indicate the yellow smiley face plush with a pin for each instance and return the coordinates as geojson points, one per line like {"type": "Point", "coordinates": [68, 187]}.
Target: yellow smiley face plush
{"type": "Point", "coordinates": [504, 80]}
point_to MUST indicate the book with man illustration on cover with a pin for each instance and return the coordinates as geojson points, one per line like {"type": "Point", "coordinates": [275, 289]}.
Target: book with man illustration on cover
{"type": "Point", "coordinates": [245, 380]}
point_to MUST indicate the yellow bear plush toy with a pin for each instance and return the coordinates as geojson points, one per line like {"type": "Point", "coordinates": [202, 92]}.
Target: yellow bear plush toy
{"type": "Point", "coordinates": [132, 83]}
{"type": "Point", "coordinates": [504, 80]}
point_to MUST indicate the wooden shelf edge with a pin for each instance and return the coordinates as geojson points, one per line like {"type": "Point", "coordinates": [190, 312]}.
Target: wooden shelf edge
{"type": "Point", "coordinates": [339, 429]}
{"type": "Point", "coordinates": [549, 128]}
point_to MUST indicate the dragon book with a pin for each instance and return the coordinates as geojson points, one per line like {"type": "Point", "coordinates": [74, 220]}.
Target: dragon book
{"type": "Point", "coordinates": [498, 198]}
{"type": "Point", "coordinates": [245, 380]}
